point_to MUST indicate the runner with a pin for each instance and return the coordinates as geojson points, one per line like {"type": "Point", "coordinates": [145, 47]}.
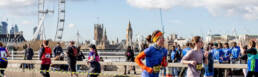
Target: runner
{"type": "Point", "coordinates": [45, 54]}
{"type": "Point", "coordinates": [93, 59]}
{"type": "Point", "coordinates": [155, 56]}
{"type": "Point", "coordinates": [72, 54]}
{"type": "Point", "coordinates": [3, 59]}
{"type": "Point", "coordinates": [194, 58]}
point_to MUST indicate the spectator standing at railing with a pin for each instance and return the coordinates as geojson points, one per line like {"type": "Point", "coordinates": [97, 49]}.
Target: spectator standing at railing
{"type": "Point", "coordinates": [226, 57]}
{"type": "Point", "coordinates": [129, 58]}
{"type": "Point", "coordinates": [227, 53]}
{"type": "Point", "coordinates": [185, 50]}
{"type": "Point", "coordinates": [45, 54]}
{"type": "Point", "coordinates": [80, 56]}
{"type": "Point", "coordinates": [218, 58]}
{"type": "Point", "coordinates": [3, 59]}
{"type": "Point", "coordinates": [29, 55]}
{"type": "Point", "coordinates": [208, 62]}
{"type": "Point", "coordinates": [235, 53]}
{"type": "Point", "coordinates": [252, 60]}
{"type": "Point", "coordinates": [58, 51]}
{"type": "Point", "coordinates": [243, 58]}
{"type": "Point", "coordinates": [72, 54]}
{"type": "Point", "coordinates": [175, 58]}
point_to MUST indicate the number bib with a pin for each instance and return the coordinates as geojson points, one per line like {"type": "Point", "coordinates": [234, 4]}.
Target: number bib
{"type": "Point", "coordinates": [156, 69]}
{"type": "Point", "coordinates": [199, 67]}
{"type": "Point", "coordinates": [47, 56]}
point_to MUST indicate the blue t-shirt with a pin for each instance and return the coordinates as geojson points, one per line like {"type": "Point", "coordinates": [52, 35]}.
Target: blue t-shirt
{"type": "Point", "coordinates": [153, 58]}
{"type": "Point", "coordinates": [217, 53]}
{"type": "Point", "coordinates": [227, 52]}
{"type": "Point", "coordinates": [235, 52]}
{"type": "Point", "coordinates": [173, 55]}
{"type": "Point", "coordinates": [3, 54]}
{"type": "Point", "coordinates": [185, 51]}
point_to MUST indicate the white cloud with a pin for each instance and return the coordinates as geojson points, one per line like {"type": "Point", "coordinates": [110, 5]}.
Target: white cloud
{"type": "Point", "coordinates": [18, 7]}
{"type": "Point", "coordinates": [245, 8]}
{"type": "Point", "coordinates": [16, 3]}
{"type": "Point", "coordinates": [71, 25]}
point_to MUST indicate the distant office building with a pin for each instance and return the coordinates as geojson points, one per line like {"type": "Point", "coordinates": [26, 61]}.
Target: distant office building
{"type": "Point", "coordinates": [14, 29]}
{"type": "Point", "coordinates": [3, 29]}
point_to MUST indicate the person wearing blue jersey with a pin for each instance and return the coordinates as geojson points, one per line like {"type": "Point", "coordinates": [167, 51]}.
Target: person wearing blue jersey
{"type": "Point", "coordinates": [226, 57]}
{"type": "Point", "coordinates": [186, 49]}
{"type": "Point", "coordinates": [217, 53]}
{"type": "Point", "coordinates": [218, 58]}
{"type": "Point", "coordinates": [175, 57]}
{"type": "Point", "coordinates": [3, 59]}
{"type": "Point", "coordinates": [184, 52]}
{"type": "Point", "coordinates": [155, 56]}
{"type": "Point", "coordinates": [235, 50]}
{"type": "Point", "coordinates": [227, 53]}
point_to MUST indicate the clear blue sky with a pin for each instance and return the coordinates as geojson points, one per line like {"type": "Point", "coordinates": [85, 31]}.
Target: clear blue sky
{"type": "Point", "coordinates": [115, 15]}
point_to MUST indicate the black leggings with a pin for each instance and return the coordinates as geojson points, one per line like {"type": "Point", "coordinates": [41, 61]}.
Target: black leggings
{"type": "Point", "coordinates": [3, 65]}
{"type": "Point", "coordinates": [252, 74]}
{"type": "Point", "coordinates": [44, 70]}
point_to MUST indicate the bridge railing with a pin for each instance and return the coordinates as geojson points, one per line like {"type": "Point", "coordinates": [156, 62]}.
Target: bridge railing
{"type": "Point", "coordinates": [37, 63]}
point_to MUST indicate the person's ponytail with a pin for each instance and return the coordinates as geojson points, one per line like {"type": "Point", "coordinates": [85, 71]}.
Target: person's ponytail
{"type": "Point", "coordinates": [149, 39]}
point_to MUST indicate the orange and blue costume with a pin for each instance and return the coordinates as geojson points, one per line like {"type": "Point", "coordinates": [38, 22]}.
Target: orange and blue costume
{"type": "Point", "coordinates": [155, 59]}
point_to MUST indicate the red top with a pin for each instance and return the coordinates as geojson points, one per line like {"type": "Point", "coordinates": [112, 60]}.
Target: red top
{"type": "Point", "coordinates": [46, 56]}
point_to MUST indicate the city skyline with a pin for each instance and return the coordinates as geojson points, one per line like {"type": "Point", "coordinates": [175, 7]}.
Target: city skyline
{"type": "Point", "coordinates": [115, 15]}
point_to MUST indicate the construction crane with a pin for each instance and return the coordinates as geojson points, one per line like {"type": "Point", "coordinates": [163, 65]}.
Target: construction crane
{"type": "Point", "coordinates": [39, 33]}
{"type": "Point", "coordinates": [60, 21]}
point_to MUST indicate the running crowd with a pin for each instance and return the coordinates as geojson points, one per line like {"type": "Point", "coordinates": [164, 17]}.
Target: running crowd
{"type": "Point", "coordinates": [199, 57]}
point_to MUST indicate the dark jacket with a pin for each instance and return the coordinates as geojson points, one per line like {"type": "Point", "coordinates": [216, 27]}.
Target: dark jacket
{"type": "Point", "coordinates": [72, 53]}
{"type": "Point", "coordinates": [129, 55]}
{"type": "Point", "coordinates": [80, 56]}
{"type": "Point", "coordinates": [58, 50]}
{"type": "Point", "coordinates": [28, 54]}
